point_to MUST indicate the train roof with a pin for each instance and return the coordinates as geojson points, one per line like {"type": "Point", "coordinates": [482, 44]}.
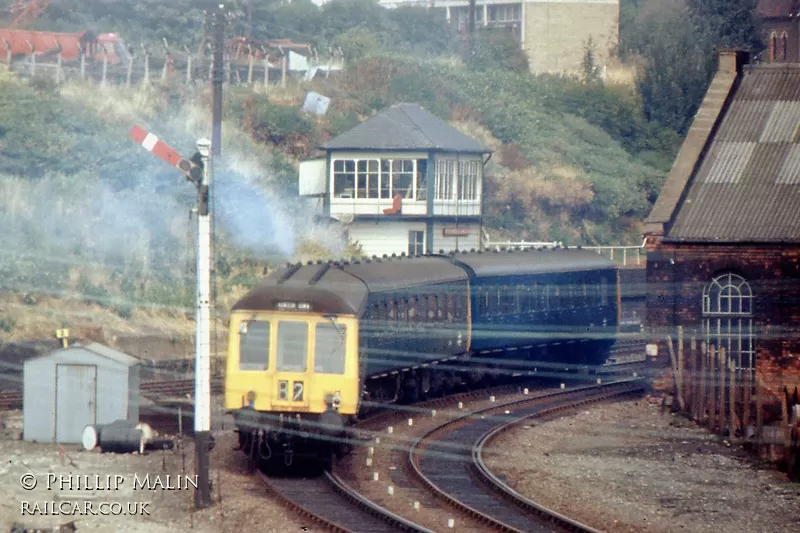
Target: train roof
{"type": "Point", "coordinates": [342, 287]}
{"type": "Point", "coordinates": [512, 262]}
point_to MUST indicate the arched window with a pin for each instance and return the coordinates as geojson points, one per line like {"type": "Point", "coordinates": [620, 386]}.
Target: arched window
{"type": "Point", "coordinates": [784, 45]}
{"type": "Point", "coordinates": [773, 47]}
{"type": "Point", "coordinates": [728, 318]}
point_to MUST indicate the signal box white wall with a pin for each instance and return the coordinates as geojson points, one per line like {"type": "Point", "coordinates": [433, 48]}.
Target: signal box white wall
{"type": "Point", "coordinates": [68, 389]}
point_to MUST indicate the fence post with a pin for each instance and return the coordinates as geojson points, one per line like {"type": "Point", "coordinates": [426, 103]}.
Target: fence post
{"type": "Point", "coordinates": [8, 53]}
{"type": "Point", "coordinates": [129, 72]}
{"type": "Point", "coordinates": [250, 71]}
{"type": "Point", "coordinates": [785, 426]}
{"type": "Point", "coordinates": [732, 401]}
{"type": "Point", "coordinates": [696, 377]}
{"type": "Point", "coordinates": [58, 68]}
{"type": "Point", "coordinates": [703, 385]}
{"type": "Point", "coordinates": [266, 72]}
{"type": "Point", "coordinates": [682, 399]}
{"type": "Point", "coordinates": [105, 67]}
{"type": "Point", "coordinates": [712, 386]}
{"type": "Point", "coordinates": [33, 59]}
{"type": "Point", "coordinates": [748, 383]}
{"type": "Point", "coordinates": [759, 412]}
{"type": "Point", "coordinates": [188, 69]}
{"type": "Point", "coordinates": [83, 64]}
{"type": "Point", "coordinates": [284, 65]}
{"type": "Point", "coordinates": [675, 372]}
{"type": "Point", "coordinates": [723, 359]}
{"type": "Point", "coordinates": [146, 79]}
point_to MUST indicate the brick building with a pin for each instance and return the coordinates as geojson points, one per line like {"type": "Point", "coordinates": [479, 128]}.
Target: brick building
{"type": "Point", "coordinates": [724, 235]}
{"type": "Point", "coordinates": [780, 20]}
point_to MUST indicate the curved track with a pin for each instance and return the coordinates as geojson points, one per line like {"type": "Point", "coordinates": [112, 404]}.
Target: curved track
{"type": "Point", "coordinates": [456, 474]}
{"type": "Point", "coordinates": [329, 502]}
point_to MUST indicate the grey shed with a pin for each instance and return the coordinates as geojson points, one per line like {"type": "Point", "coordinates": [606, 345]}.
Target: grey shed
{"type": "Point", "coordinates": [70, 388]}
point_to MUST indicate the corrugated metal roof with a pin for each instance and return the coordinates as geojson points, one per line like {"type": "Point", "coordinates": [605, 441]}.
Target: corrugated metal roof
{"type": "Point", "coordinates": [405, 127]}
{"type": "Point", "coordinates": [746, 187]}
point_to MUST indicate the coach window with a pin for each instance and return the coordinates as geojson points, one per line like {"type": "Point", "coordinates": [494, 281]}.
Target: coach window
{"type": "Point", "coordinates": [382, 311]}
{"type": "Point", "coordinates": [392, 310]}
{"type": "Point", "coordinates": [433, 305]}
{"type": "Point", "coordinates": [451, 307]}
{"type": "Point", "coordinates": [458, 305]}
{"type": "Point", "coordinates": [254, 339]}
{"type": "Point", "coordinates": [292, 346]}
{"type": "Point", "coordinates": [603, 292]}
{"type": "Point", "coordinates": [412, 309]}
{"type": "Point", "coordinates": [402, 305]}
{"type": "Point", "coordinates": [329, 354]}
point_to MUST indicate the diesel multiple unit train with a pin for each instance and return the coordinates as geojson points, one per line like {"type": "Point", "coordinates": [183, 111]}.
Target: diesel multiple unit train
{"type": "Point", "coordinates": [316, 345]}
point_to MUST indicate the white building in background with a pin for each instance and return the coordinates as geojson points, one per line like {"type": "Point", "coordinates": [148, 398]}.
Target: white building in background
{"type": "Point", "coordinates": [553, 33]}
{"type": "Point", "coordinates": [402, 182]}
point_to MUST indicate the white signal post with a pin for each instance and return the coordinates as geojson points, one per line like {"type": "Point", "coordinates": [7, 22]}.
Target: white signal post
{"type": "Point", "coordinates": [202, 375]}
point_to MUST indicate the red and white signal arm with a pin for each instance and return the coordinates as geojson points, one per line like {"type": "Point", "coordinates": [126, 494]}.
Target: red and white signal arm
{"type": "Point", "coordinates": [164, 151]}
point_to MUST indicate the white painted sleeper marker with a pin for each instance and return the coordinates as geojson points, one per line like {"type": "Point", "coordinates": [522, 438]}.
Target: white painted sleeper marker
{"type": "Point", "coordinates": [416, 506]}
{"type": "Point", "coordinates": [491, 399]}
{"type": "Point", "coordinates": [410, 421]}
{"type": "Point", "coordinates": [451, 523]}
{"type": "Point", "coordinates": [369, 461]}
{"type": "Point", "coordinates": [433, 412]}
{"type": "Point", "coordinates": [390, 490]}
{"type": "Point", "coordinates": [563, 386]}
{"type": "Point", "coordinates": [460, 405]}
{"type": "Point", "coordinates": [375, 476]}
{"type": "Point", "coordinates": [525, 391]}
{"type": "Point", "coordinates": [391, 430]}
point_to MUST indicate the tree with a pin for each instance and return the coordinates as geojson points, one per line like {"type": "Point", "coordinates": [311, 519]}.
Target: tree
{"type": "Point", "coordinates": [589, 62]}
{"type": "Point", "coordinates": [497, 49]}
{"type": "Point", "coordinates": [677, 40]}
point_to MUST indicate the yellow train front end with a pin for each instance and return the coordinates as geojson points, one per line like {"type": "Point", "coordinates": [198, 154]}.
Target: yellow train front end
{"type": "Point", "coordinates": [292, 381]}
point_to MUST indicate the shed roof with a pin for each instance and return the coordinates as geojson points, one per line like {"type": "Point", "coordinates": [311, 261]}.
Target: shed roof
{"type": "Point", "coordinates": [746, 187]}
{"type": "Point", "coordinates": [405, 127]}
{"type": "Point", "coordinates": [98, 349]}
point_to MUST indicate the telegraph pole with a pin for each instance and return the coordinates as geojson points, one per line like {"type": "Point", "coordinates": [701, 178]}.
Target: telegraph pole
{"type": "Point", "coordinates": [207, 149]}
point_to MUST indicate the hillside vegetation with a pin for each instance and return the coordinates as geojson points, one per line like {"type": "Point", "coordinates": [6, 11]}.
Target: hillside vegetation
{"type": "Point", "coordinates": [94, 221]}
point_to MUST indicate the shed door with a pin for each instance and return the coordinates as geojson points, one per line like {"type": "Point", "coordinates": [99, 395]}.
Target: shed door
{"type": "Point", "coordinates": [76, 399]}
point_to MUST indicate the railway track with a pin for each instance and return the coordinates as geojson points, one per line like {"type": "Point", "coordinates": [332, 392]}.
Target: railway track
{"type": "Point", "coordinates": [152, 389]}
{"type": "Point", "coordinates": [332, 504]}
{"type": "Point", "coordinates": [447, 461]}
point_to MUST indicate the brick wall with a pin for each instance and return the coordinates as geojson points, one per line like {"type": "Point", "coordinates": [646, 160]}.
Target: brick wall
{"type": "Point", "coordinates": [676, 275]}
{"type": "Point", "coordinates": [778, 27]}
{"type": "Point", "coordinates": [556, 33]}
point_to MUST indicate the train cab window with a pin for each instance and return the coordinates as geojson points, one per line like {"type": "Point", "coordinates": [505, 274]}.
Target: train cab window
{"type": "Point", "coordinates": [329, 355]}
{"type": "Point", "coordinates": [292, 346]}
{"type": "Point", "coordinates": [412, 309]}
{"type": "Point", "coordinates": [254, 345]}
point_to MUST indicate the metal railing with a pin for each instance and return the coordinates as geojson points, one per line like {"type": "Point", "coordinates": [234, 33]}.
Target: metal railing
{"type": "Point", "coordinates": [627, 255]}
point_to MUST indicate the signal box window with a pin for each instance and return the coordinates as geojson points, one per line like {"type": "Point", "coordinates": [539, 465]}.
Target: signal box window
{"type": "Point", "coordinates": [254, 345]}
{"type": "Point", "coordinates": [329, 356]}
{"type": "Point", "coordinates": [292, 346]}
{"type": "Point", "coordinates": [416, 243]}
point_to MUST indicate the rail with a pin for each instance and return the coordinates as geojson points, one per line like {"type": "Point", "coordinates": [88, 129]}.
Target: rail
{"type": "Point", "coordinates": [449, 483]}
{"type": "Point", "coordinates": [628, 255]}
